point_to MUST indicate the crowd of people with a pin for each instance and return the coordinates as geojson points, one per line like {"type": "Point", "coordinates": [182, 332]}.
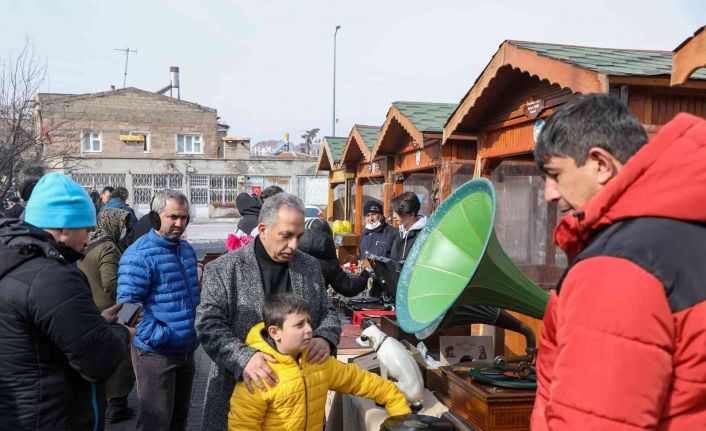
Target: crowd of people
{"type": "Point", "coordinates": [76, 270]}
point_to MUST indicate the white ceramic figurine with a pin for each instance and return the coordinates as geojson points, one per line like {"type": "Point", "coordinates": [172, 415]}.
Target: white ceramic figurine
{"type": "Point", "coordinates": [396, 362]}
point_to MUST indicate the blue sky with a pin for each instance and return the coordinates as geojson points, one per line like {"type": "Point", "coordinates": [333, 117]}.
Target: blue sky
{"type": "Point", "coordinates": [266, 65]}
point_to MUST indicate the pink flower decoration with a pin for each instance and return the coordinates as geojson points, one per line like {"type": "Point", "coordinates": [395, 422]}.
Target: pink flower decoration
{"type": "Point", "coordinates": [234, 242]}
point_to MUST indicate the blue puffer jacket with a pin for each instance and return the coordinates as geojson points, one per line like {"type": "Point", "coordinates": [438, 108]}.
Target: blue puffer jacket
{"type": "Point", "coordinates": [162, 276]}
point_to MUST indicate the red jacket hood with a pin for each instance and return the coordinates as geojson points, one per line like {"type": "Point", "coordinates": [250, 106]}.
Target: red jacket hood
{"type": "Point", "coordinates": [666, 178]}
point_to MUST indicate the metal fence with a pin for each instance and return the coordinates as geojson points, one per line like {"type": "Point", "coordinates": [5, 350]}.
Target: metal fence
{"type": "Point", "coordinates": [222, 188]}
{"type": "Point", "coordinates": [97, 181]}
{"type": "Point", "coordinates": [144, 186]}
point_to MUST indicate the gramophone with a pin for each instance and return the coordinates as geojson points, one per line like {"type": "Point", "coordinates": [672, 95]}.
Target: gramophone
{"type": "Point", "coordinates": [457, 274]}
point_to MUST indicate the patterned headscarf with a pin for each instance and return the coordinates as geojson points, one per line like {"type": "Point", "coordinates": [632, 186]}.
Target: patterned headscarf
{"type": "Point", "coordinates": [109, 224]}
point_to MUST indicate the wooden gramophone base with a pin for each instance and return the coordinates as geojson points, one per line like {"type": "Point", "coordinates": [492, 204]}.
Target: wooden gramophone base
{"type": "Point", "coordinates": [485, 407]}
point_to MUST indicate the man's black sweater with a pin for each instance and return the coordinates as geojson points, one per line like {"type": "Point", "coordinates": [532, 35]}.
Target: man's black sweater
{"type": "Point", "coordinates": [275, 275]}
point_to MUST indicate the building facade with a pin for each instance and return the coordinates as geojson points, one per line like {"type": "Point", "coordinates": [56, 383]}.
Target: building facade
{"type": "Point", "coordinates": [148, 142]}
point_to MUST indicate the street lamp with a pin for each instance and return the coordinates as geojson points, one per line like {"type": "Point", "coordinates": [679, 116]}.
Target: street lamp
{"type": "Point", "coordinates": [333, 125]}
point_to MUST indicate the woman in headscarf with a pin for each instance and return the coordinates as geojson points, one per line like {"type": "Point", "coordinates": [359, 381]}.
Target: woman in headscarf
{"type": "Point", "coordinates": [100, 266]}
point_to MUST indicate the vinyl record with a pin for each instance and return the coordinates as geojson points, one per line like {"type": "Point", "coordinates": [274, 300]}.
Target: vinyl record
{"type": "Point", "coordinates": [505, 377]}
{"type": "Point", "coordinates": [415, 422]}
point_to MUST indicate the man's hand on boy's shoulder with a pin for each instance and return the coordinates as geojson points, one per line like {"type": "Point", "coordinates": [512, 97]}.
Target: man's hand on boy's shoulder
{"type": "Point", "coordinates": [319, 350]}
{"type": "Point", "coordinates": [257, 371]}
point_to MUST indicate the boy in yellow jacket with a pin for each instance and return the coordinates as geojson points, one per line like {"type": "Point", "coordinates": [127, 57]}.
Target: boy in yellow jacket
{"type": "Point", "coordinates": [297, 401]}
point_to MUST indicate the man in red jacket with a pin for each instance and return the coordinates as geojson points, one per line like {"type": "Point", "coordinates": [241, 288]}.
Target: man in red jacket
{"type": "Point", "coordinates": [624, 338]}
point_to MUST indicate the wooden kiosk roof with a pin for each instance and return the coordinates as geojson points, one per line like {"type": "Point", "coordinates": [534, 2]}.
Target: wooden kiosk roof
{"type": "Point", "coordinates": [413, 119]}
{"type": "Point", "coordinates": [688, 57]}
{"type": "Point", "coordinates": [578, 68]}
{"type": "Point", "coordinates": [331, 153]}
{"type": "Point", "coordinates": [360, 143]}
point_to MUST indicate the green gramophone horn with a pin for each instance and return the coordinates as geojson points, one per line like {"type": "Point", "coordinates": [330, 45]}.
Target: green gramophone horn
{"type": "Point", "coordinates": [457, 260]}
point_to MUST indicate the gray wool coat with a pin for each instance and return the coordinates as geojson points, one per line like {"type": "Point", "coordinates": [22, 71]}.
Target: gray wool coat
{"type": "Point", "coordinates": [231, 304]}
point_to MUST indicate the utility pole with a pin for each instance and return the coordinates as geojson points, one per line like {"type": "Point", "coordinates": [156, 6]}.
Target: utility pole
{"type": "Point", "coordinates": [333, 126]}
{"type": "Point", "coordinates": [127, 52]}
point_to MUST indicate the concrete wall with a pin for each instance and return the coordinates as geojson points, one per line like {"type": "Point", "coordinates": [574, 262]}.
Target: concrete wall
{"type": "Point", "coordinates": [248, 172]}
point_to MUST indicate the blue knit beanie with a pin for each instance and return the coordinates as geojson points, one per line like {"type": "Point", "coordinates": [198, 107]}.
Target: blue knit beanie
{"type": "Point", "coordinates": [59, 202]}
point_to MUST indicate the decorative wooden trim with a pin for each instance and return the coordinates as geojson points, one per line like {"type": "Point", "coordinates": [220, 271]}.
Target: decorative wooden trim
{"type": "Point", "coordinates": [566, 75]}
{"type": "Point", "coordinates": [394, 114]}
{"type": "Point", "coordinates": [355, 139]}
{"type": "Point", "coordinates": [688, 57]}
{"type": "Point", "coordinates": [325, 161]}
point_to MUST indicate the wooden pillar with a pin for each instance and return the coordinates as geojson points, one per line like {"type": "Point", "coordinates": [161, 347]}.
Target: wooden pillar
{"type": "Point", "coordinates": [358, 206]}
{"type": "Point", "coordinates": [329, 210]}
{"type": "Point", "coordinates": [388, 192]}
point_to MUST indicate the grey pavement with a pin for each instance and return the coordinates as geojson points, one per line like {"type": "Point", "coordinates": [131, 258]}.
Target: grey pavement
{"type": "Point", "coordinates": [202, 360]}
{"type": "Point", "coordinates": [197, 396]}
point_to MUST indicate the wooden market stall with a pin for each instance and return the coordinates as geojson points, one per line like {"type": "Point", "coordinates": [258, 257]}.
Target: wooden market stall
{"type": "Point", "coordinates": [689, 56]}
{"type": "Point", "coordinates": [341, 180]}
{"type": "Point", "coordinates": [410, 144]}
{"type": "Point", "coordinates": [369, 174]}
{"type": "Point", "coordinates": [505, 108]}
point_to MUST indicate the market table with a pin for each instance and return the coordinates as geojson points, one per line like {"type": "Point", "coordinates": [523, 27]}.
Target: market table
{"type": "Point", "coordinates": [351, 413]}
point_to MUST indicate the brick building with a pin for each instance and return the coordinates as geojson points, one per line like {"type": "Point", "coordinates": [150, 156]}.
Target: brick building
{"type": "Point", "coordinates": [147, 142]}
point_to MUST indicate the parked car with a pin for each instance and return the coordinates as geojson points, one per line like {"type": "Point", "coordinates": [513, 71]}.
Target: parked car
{"type": "Point", "coordinates": [312, 212]}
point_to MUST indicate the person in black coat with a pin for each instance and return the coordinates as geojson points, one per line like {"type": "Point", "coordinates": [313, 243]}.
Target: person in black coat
{"type": "Point", "coordinates": [405, 211]}
{"type": "Point", "coordinates": [15, 208]}
{"type": "Point", "coordinates": [249, 209]}
{"type": "Point", "coordinates": [317, 241]}
{"type": "Point", "coordinates": [56, 346]}
{"type": "Point", "coordinates": [378, 236]}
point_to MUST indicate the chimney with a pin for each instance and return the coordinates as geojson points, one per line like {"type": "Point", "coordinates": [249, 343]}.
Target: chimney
{"type": "Point", "coordinates": [174, 79]}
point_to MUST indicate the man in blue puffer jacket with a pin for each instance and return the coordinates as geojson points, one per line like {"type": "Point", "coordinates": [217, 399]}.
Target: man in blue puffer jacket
{"type": "Point", "coordinates": [159, 271]}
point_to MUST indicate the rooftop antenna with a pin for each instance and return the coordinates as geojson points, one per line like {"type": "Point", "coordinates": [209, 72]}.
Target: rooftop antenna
{"type": "Point", "coordinates": [127, 52]}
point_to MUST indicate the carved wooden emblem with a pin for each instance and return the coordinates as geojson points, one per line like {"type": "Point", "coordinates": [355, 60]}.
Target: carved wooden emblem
{"type": "Point", "coordinates": [533, 108]}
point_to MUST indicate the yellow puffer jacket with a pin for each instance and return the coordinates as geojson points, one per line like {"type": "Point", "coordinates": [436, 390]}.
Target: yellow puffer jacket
{"type": "Point", "coordinates": [297, 402]}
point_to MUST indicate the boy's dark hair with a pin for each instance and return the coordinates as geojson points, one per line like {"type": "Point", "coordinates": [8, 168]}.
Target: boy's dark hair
{"type": "Point", "coordinates": [108, 189]}
{"type": "Point", "coordinates": [270, 191]}
{"type": "Point", "coordinates": [587, 121]}
{"type": "Point", "coordinates": [278, 305]}
{"type": "Point", "coordinates": [119, 193]}
{"type": "Point", "coordinates": [406, 203]}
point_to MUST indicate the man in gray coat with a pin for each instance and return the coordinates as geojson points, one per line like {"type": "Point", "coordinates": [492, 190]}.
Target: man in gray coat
{"type": "Point", "coordinates": [235, 287]}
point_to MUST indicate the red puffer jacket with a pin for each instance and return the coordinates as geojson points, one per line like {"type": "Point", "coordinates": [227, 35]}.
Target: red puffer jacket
{"type": "Point", "coordinates": [624, 340]}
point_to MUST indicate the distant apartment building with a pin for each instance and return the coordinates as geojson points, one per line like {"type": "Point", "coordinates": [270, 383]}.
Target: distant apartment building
{"type": "Point", "coordinates": [148, 142]}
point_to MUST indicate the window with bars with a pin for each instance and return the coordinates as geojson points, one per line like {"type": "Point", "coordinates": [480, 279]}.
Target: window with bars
{"type": "Point", "coordinates": [146, 185]}
{"type": "Point", "coordinates": [96, 181]}
{"type": "Point", "coordinates": [189, 144]}
{"type": "Point", "coordinates": [205, 189]}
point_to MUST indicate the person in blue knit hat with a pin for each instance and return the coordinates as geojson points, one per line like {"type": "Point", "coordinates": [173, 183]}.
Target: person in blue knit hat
{"type": "Point", "coordinates": [56, 346]}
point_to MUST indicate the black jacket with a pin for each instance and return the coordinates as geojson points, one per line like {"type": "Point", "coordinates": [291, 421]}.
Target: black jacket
{"type": "Point", "coordinates": [143, 226]}
{"type": "Point", "coordinates": [55, 344]}
{"type": "Point", "coordinates": [377, 241]}
{"type": "Point", "coordinates": [401, 246]}
{"type": "Point", "coordinates": [317, 241]}
{"type": "Point", "coordinates": [249, 209]}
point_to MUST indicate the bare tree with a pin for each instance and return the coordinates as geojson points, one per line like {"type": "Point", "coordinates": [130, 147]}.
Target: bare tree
{"type": "Point", "coordinates": [308, 139]}
{"type": "Point", "coordinates": [22, 134]}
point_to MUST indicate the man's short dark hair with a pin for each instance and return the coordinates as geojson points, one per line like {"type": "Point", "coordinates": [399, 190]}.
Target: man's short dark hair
{"type": "Point", "coordinates": [270, 191]}
{"type": "Point", "coordinates": [406, 203]}
{"type": "Point", "coordinates": [279, 305]}
{"type": "Point", "coordinates": [119, 193]}
{"type": "Point", "coordinates": [587, 121]}
{"type": "Point", "coordinates": [108, 189]}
